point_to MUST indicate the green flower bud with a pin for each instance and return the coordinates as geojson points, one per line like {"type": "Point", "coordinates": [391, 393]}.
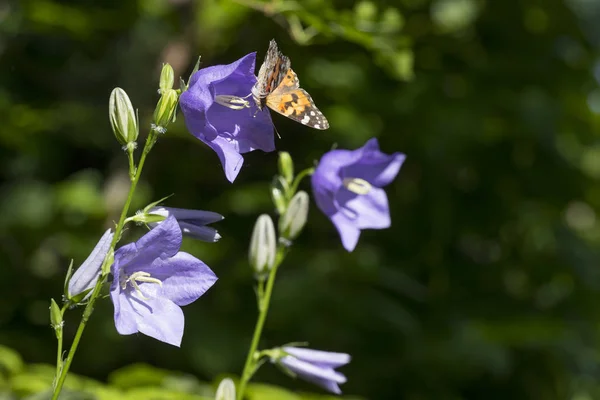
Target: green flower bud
{"type": "Point", "coordinates": [226, 390]}
{"type": "Point", "coordinates": [167, 78]}
{"type": "Point", "coordinates": [123, 118]}
{"type": "Point", "coordinates": [263, 246]}
{"type": "Point", "coordinates": [294, 219]}
{"type": "Point", "coordinates": [165, 109]}
{"type": "Point", "coordinates": [56, 318]}
{"type": "Point", "coordinates": [286, 166]}
{"type": "Point", "coordinates": [278, 200]}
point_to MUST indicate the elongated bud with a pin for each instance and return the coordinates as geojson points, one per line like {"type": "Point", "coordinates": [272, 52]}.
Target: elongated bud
{"type": "Point", "coordinates": [279, 193]}
{"type": "Point", "coordinates": [294, 219]}
{"type": "Point", "coordinates": [278, 200]}
{"type": "Point", "coordinates": [286, 166]}
{"type": "Point", "coordinates": [56, 318]}
{"type": "Point", "coordinates": [226, 390]}
{"type": "Point", "coordinates": [167, 78]}
{"type": "Point", "coordinates": [165, 109]}
{"type": "Point", "coordinates": [263, 246]}
{"type": "Point", "coordinates": [123, 118]}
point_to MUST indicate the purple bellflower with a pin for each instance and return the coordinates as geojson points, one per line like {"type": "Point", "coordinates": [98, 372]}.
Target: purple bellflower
{"type": "Point", "coordinates": [87, 274]}
{"type": "Point", "coordinates": [192, 222]}
{"type": "Point", "coordinates": [315, 366]}
{"type": "Point", "coordinates": [217, 111]}
{"type": "Point", "coordinates": [152, 279]}
{"type": "Point", "coordinates": [347, 185]}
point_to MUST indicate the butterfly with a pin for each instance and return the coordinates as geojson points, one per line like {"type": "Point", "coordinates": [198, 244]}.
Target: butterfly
{"type": "Point", "coordinates": [278, 88]}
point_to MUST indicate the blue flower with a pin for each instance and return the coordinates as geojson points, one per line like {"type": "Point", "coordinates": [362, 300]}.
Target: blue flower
{"type": "Point", "coordinates": [315, 366]}
{"type": "Point", "coordinates": [87, 274]}
{"type": "Point", "coordinates": [192, 222]}
{"type": "Point", "coordinates": [152, 279]}
{"type": "Point", "coordinates": [216, 112]}
{"type": "Point", "coordinates": [347, 185]}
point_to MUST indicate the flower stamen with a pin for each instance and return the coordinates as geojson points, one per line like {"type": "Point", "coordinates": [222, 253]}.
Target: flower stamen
{"type": "Point", "coordinates": [139, 276]}
{"type": "Point", "coordinates": [357, 185]}
{"type": "Point", "coordinates": [233, 102]}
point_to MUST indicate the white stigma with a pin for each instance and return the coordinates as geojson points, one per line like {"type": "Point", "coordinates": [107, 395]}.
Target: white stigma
{"type": "Point", "coordinates": [357, 185]}
{"type": "Point", "coordinates": [233, 102]}
{"type": "Point", "coordinates": [139, 276]}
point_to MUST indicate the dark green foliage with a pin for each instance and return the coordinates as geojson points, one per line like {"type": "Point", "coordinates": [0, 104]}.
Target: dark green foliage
{"type": "Point", "coordinates": [487, 284]}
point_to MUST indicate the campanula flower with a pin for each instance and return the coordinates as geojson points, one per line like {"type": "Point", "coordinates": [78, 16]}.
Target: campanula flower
{"type": "Point", "coordinates": [315, 366]}
{"type": "Point", "coordinates": [347, 186]}
{"type": "Point", "coordinates": [192, 222]}
{"type": "Point", "coordinates": [152, 279]}
{"type": "Point", "coordinates": [87, 274]}
{"type": "Point", "coordinates": [219, 111]}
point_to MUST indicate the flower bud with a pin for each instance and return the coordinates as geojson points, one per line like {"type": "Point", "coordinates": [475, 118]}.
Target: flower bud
{"type": "Point", "coordinates": [263, 245]}
{"type": "Point", "coordinates": [56, 319]}
{"type": "Point", "coordinates": [294, 219]}
{"type": "Point", "coordinates": [123, 118]}
{"type": "Point", "coordinates": [226, 390]}
{"type": "Point", "coordinates": [286, 166]}
{"type": "Point", "coordinates": [167, 78]}
{"type": "Point", "coordinates": [278, 200]}
{"type": "Point", "coordinates": [165, 109]}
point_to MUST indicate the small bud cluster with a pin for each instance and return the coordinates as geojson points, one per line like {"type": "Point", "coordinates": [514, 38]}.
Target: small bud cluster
{"type": "Point", "coordinates": [292, 206]}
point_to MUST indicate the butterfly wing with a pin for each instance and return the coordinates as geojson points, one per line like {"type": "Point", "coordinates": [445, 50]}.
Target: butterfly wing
{"type": "Point", "coordinates": [290, 100]}
{"type": "Point", "coordinates": [271, 73]}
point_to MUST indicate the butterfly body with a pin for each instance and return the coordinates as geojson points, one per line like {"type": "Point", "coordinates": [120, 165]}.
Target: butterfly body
{"type": "Point", "coordinates": [278, 88]}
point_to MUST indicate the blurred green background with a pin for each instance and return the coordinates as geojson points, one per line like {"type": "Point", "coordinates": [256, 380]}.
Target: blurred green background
{"type": "Point", "coordinates": [487, 285]}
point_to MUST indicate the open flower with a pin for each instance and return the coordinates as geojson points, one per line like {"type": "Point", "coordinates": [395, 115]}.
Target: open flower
{"type": "Point", "coordinates": [192, 222]}
{"type": "Point", "coordinates": [87, 274]}
{"type": "Point", "coordinates": [152, 279]}
{"type": "Point", "coordinates": [347, 186]}
{"type": "Point", "coordinates": [315, 366]}
{"type": "Point", "coordinates": [217, 112]}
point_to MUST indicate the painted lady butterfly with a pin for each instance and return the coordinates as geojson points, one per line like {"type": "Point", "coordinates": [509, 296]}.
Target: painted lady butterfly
{"type": "Point", "coordinates": [278, 88]}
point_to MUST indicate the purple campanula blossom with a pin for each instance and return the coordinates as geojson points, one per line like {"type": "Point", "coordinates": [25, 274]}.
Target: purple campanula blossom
{"type": "Point", "coordinates": [347, 185]}
{"type": "Point", "coordinates": [88, 273]}
{"type": "Point", "coordinates": [192, 222]}
{"type": "Point", "coordinates": [152, 279]}
{"type": "Point", "coordinates": [315, 366]}
{"type": "Point", "coordinates": [217, 113]}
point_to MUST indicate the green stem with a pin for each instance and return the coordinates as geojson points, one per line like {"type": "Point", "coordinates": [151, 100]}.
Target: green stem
{"type": "Point", "coordinates": [298, 179]}
{"type": "Point", "coordinates": [264, 302]}
{"type": "Point", "coordinates": [59, 339]}
{"type": "Point", "coordinates": [89, 308]}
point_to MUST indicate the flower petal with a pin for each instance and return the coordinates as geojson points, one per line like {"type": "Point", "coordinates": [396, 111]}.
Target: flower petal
{"type": "Point", "coordinates": [161, 242]}
{"type": "Point", "coordinates": [230, 158]}
{"type": "Point", "coordinates": [125, 318]}
{"type": "Point", "coordinates": [322, 358]}
{"type": "Point", "coordinates": [377, 168]}
{"type": "Point", "coordinates": [368, 211]}
{"type": "Point", "coordinates": [349, 232]}
{"type": "Point", "coordinates": [87, 274]}
{"type": "Point", "coordinates": [204, 233]}
{"type": "Point", "coordinates": [324, 377]}
{"type": "Point", "coordinates": [156, 317]}
{"type": "Point", "coordinates": [184, 214]}
{"type": "Point", "coordinates": [161, 319]}
{"type": "Point", "coordinates": [184, 278]}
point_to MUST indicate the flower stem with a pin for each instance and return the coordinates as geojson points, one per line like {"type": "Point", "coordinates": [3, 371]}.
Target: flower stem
{"type": "Point", "coordinates": [264, 302]}
{"type": "Point", "coordinates": [59, 360]}
{"type": "Point", "coordinates": [89, 308]}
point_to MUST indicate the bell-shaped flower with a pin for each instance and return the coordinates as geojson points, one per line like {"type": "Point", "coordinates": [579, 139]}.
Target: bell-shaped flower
{"type": "Point", "coordinates": [152, 279]}
{"type": "Point", "coordinates": [347, 186]}
{"type": "Point", "coordinates": [219, 110]}
{"type": "Point", "coordinates": [87, 274]}
{"type": "Point", "coordinates": [314, 366]}
{"type": "Point", "coordinates": [192, 222]}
